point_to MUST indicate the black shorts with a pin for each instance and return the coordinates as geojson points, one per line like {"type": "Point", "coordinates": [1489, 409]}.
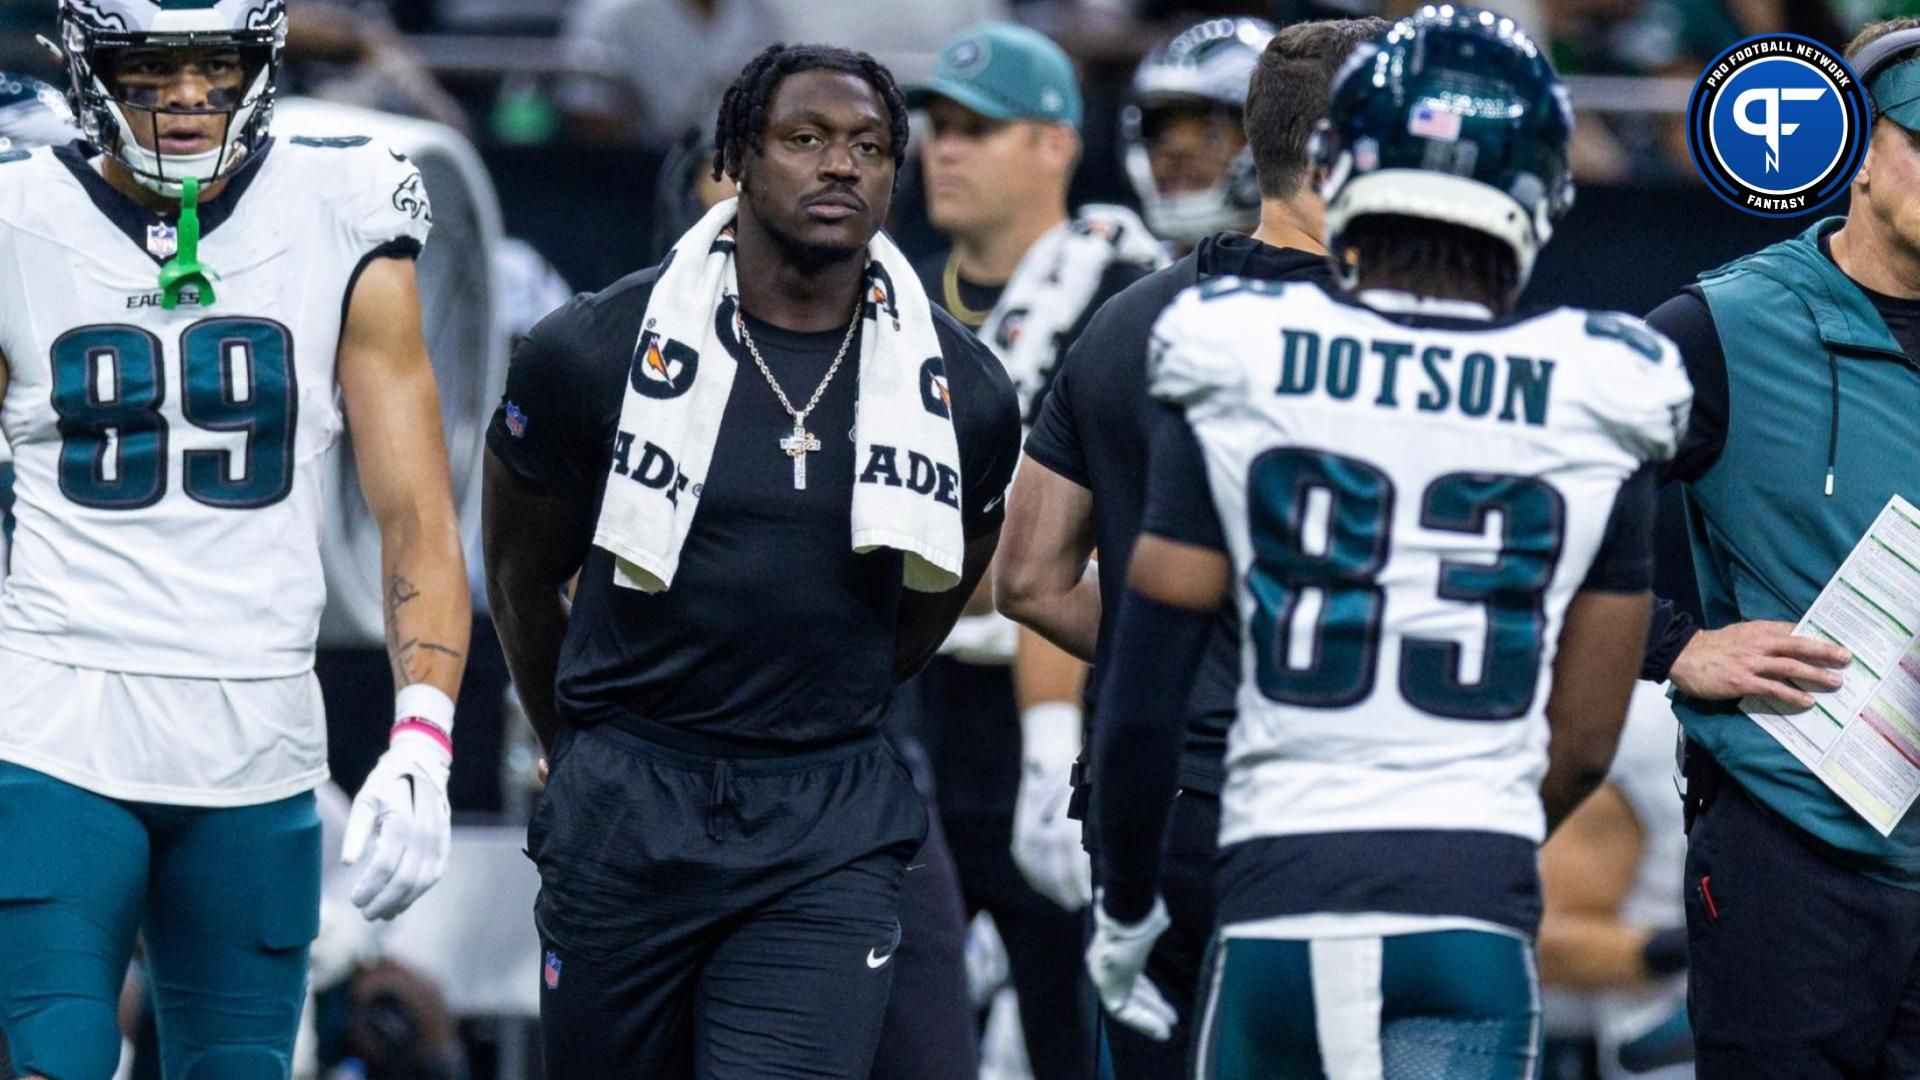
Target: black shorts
{"type": "Point", "coordinates": [718, 917]}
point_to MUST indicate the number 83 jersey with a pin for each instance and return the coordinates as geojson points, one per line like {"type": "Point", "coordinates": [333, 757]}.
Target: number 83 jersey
{"type": "Point", "coordinates": [1411, 492]}
{"type": "Point", "coordinates": [168, 462]}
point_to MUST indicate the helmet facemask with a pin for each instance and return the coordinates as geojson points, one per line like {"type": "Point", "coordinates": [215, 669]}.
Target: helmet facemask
{"type": "Point", "coordinates": [115, 107]}
{"type": "Point", "coordinates": [1230, 202]}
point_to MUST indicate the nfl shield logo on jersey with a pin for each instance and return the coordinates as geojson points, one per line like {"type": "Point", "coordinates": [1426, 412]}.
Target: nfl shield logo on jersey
{"type": "Point", "coordinates": [550, 972]}
{"type": "Point", "coordinates": [163, 241]}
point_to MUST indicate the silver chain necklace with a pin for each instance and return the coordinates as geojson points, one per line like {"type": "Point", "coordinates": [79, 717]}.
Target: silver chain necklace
{"type": "Point", "coordinates": [802, 442]}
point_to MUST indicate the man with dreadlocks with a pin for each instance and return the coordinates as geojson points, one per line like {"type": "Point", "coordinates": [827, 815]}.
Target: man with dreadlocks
{"type": "Point", "coordinates": [180, 299]}
{"type": "Point", "coordinates": [777, 472]}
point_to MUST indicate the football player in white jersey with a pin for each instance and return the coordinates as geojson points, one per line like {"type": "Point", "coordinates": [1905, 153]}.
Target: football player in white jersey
{"type": "Point", "coordinates": [1434, 517]}
{"type": "Point", "coordinates": [183, 304]}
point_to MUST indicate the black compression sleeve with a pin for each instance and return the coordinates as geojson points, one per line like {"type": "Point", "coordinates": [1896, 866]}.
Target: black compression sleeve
{"type": "Point", "coordinates": [1667, 634]}
{"type": "Point", "coordinates": [1688, 321]}
{"type": "Point", "coordinates": [1624, 562]}
{"type": "Point", "coordinates": [1137, 736]}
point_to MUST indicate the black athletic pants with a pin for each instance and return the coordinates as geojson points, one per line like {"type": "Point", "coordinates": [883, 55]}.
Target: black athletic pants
{"type": "Point", "coordinates": [930, 1032]}
{"type": "Point", "coordinates": [718, 918]}
{"type": "Point", "coordinates": [1801, 968]}
{"type": "Point", "coordinates": [1186, 883]}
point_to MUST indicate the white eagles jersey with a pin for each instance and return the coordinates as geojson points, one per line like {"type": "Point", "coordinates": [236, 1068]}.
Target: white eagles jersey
{"type": "Point", "coordinates": [168, 463]}
{"type": "Point", "coordinates": [1410, 501]}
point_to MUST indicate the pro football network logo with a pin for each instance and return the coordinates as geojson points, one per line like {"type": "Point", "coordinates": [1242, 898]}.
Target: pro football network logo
{"type": "Point", "coordinates": [662, 367]}
{"type": "Point", "coordinates": [1778, 124]}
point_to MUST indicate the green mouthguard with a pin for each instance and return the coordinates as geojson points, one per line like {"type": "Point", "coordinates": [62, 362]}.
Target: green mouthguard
{"type": "Point", "coordinates": [185, 268]}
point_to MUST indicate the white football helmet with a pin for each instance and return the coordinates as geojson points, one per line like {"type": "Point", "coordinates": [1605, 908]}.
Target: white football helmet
{"type": "Point", "coordinates": [1208, 65]}
{"type": "Point", "coordinates": [92, 30]}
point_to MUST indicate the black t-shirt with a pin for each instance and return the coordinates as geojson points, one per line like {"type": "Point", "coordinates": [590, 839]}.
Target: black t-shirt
{"type": "Point", "coordinates": [1093, 429]}
{"type": "Point", "coordinates": [774, 633]}
{"type": "Point", "coordinates": [1688, 321]}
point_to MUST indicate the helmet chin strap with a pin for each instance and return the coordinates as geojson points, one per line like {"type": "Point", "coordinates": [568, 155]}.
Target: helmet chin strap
{"type": "Point", "coordinates": [197, 168]}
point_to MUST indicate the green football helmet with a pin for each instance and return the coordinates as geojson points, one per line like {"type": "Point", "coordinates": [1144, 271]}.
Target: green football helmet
{"type": "Point", "coordinates": [1454, 115]}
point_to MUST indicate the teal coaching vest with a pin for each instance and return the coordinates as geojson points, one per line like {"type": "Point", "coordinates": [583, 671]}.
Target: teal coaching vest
{"type": "Point", "coordinates": [1815, 382]}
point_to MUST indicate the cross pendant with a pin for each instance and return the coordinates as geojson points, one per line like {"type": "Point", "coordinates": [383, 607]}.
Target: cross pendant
{"type": "Point", "coordinates": [797, 446]}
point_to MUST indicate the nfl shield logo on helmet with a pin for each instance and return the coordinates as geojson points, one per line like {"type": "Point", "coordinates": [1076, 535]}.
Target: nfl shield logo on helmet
{"type": "Point", "coordinates": [550, 971]}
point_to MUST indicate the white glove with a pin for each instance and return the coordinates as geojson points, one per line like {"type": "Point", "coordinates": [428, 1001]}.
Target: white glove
{"type": "Point", "coordinates": [403, 808]}
{"type": "Point", "coordinates": [1046, 842]}
{"type": "Point", "coordinates": [990, 639]}
{"type": "Point", "coordinates": [1115, 959]}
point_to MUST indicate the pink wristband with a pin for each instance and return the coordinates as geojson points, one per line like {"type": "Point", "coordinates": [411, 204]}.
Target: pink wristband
{"type": "Point", "coordinates": [431, 731]}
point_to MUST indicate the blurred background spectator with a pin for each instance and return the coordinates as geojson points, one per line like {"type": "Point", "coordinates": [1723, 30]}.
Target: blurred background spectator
{"type": "Point", "coordinates": [352, 54]}
{"type": "Point", "coordinates": [650, 69]}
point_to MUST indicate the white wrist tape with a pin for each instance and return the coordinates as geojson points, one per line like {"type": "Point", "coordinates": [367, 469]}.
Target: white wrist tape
{"type": "Point", "coordinates": [427, 709]}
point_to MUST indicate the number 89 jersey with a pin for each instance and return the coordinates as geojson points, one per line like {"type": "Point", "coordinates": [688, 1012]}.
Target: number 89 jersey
{"type": "Point", "coordinates": [168, 462]}
{"type": "Point", "coordinates": [1411, 493]}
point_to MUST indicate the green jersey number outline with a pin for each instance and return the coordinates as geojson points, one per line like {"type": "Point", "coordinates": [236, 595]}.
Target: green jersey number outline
{"type": "Point", "coordinates": [109, 383]}
{"type": "Point", "coordinates": [1346, 635]}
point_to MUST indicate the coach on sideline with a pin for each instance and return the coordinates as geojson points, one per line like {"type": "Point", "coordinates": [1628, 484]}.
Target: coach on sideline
{"type": "Point", "coordinates": [777, 472]}
{"type": "Point", "coordinates": [1084, 485]}
{"type": "Point", "coordinates": [1803, 921]}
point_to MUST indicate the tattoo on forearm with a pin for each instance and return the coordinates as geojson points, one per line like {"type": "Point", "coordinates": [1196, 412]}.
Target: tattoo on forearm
{"type": "Point", "coordinates": [409, 666]}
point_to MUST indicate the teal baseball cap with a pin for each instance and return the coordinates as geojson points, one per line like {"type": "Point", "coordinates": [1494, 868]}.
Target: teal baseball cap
{"type": "Point", "coordinates": [1004, 71]}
